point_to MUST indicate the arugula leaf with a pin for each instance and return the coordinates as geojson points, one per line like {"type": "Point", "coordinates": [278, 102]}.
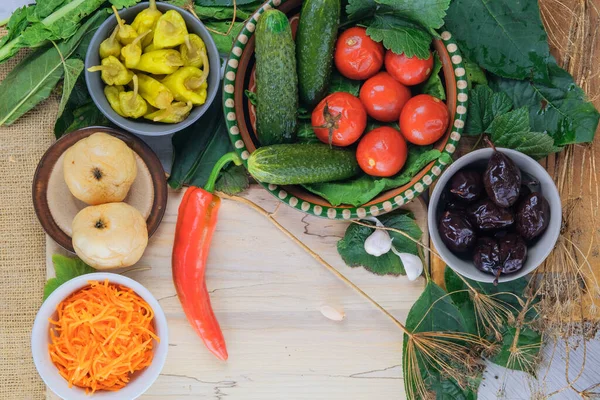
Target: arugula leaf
{"type": "Point", "coordinates": [232, 180]}
{"type": "Point", "coordinates": [66, 269]}
{"type": "Point", "coordinates": [33, 79]}
{"type": "Point", "coordinates": [72, 69]}
{"type": "Point", "coordinates": [400, 35]}
{"type": "Point", "coordinates": [528, 346]}
{"type": "Point", "coordinates": [559, 107]}
{"type": "Point", "coordinates": [339, 83]}
{"type": "Point", "coordinates": [224, 42]}
{"type": "Point", "coordinates": [484, 106]}
{"type": "Point", "coordinates": [198, 147]}
{"type": "Point", "coordinates": [433, 85]}
{"type": "Point", "coordinates": [429, 13]}
{"type": "Point", "coordinates": [42, 9]}
{"type": "Point", "coordinates": [352, 246]}
{"type": "Point", "coordinates": [16, 24]}
{"type": "Point", "coordinates": [505, 37]}
{"type": "Point", "coordinates": [511, 130]}
{"type": "Point", "coordinates": [358, 191]}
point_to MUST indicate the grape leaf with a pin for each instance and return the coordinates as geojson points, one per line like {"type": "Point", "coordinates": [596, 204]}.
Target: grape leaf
{"type": "Point", "coordinates": [433, 85]}
{"type": "Point", "coordinates": [352, 246]}
{"type": "Point", "coordinates": [505, 37]}
{"type": "Point", "coordinates": [360, 8]}
{"type": "Point", "coordinates": [400, 35]}
{"type": "Point", "coordinates": [475, 75]}
{"type": "Point", "coordinates": [232, 180]}
{"type": "Point", "coordinates": [66, 269]}
{"type": "Point", "coordinates": [224, 42]}
{"type": "Point", "coordinates": [528, 347]}
{"type": "Point", "coordinates": [511, 130]}
{"type": "Point", "coordinates": [123, 3]}
{"type": "Point", "coordinates": [358, 191]}
{"type": "Point", "coordinates": [484, 106]}
{"type": "Point", "coordinates": [559, 107]}
{"type": "Point", "coordinates": [429, 13]}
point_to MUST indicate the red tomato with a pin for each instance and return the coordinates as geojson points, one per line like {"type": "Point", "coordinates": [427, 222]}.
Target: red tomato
{"type": "Point", "coordinates": [384, 97]}
{"type": "Point", "coordinates": [408, 70]}
{"type": "Point", "coordinates": [357, 56]}
{"type": "Point", "coordinates": [424, 119]}
{"type": "Point", "coordinates": [339, 119]}
{"type": "Point", "coordinates": [382, 152]}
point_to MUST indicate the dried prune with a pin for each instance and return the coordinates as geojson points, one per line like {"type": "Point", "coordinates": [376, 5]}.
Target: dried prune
{"type": "Point", "coordinates": [502, 180]}
{"type": "Point", "coordinates": [513, 253]}
{"type": "Point", "coordinates": [533, 216]}
{"type": "Point", "coordinates": [524, 192]}
{"type": "Point", "coordinates": [466, 185]}
{"type": "Point", "coordinates": [486, 256]}
{"type": "Point", "coordinates": [457, 232]}
{"type": "Point", "coordinates": [455, 205]}
{"type": "Point", "coordinates": [486, 216]}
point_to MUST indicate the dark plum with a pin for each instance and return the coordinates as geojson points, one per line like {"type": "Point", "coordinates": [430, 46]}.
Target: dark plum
{"type": "Point", "coordinates": [457, 232]}
{"type": "Point", "coordinates": [455, 205]}
{"type": "Point", "coordinates": [533, 216]}
{"type": "Point", "coordinates": [513, 253]}
{"type": "Point", "coordinates": [486, 256]}
{"type": "Point", "coordinates": [502, 180]}
{"type": "Point", "coordinates": [466, 185]}
{"type": "Point", "coordinates": [486, 216]}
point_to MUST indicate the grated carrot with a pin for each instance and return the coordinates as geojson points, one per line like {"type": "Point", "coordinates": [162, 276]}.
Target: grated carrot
{"type": "Point", "coordinates": [103, 333]}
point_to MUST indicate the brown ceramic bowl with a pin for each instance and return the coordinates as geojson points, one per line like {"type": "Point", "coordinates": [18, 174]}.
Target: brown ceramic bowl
{"type": "Point", "coordinates": [56, 207]}
{"type": "Point", "coordinates": [240, 118]}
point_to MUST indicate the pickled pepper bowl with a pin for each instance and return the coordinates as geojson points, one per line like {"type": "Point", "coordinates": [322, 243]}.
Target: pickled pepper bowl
{"type": "Point", "coordinates": [536, 252]}
{"type": "Point", "coordinates": [143, 127]}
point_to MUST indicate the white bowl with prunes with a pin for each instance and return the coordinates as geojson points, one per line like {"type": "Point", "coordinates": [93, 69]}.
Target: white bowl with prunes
{"type": "Point", "coordinates": [494, 215]}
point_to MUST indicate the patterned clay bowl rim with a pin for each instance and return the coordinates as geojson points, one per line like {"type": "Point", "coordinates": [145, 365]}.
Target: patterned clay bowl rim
{"type": "Point", "coordinates": [238, 124]}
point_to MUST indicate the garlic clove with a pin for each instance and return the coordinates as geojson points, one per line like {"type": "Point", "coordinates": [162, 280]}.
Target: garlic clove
{"type": "Point", "coordinates": [332, 313]}
{"type": "Point", "coordinates": [378, 243]}
{"type": "Point", "coordinates": [413, 265]}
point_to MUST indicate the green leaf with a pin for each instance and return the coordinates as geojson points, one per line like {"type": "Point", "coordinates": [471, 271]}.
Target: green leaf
{"type": "Point", "coordinates": [352, 246]}
{"type": "Point", "coordinates": [505, 37]}
{"type": "Point", "coordinates": [449, 389]}
{"type": "Point", "coordinates": [527, 349]}
{"type": "Point", "coordinates": [429, 13]}
{"type": "Point", "coordinates": [306, 133]}
{"type": "Point", "coordinates": [339, 83]}
{"type": "Point", "coordinates": [475, 75]}
{"type": "Point", "coordinates": [433, 85]}
{"type": "Point", "coordinates": [72, 69]}
{"type": "Point", "coordinates": [16, 24]}
{"type": "Point", "coordinates": [224, 42]}
{"type": "Point", "coordinates": [232, 180]}
{"type": "Point", "coordinates": [123, 3]}
{"type": "Point", "coordinates": [198, 148]}
{"type": "Point", "coordinates": [360, 8]}
{"type": "Point", "coordinates": [42, 9]}
{"type": "Point", "coordinates": [559, 107]}
{"type": "Point", "coordinates": [484, 106]}
{"type": "Point", "coordinates": [511, 130]}
{"type": "Point", "coordinates": [242, 11]}
{"type": "Point", "coordinates": [34, 78]}
{"type": "Point", "coordinates": [223, 3]}
{"type": "Point", "coordinates": [400, 35]}
{"type": "Point", "coordinates": [66, 269]}
{"type": "Point", "coordinates": [358, 191]}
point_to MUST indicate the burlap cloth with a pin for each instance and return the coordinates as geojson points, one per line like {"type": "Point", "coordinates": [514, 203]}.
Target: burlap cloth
{"type": "Point", "coordinates": [573, 27]}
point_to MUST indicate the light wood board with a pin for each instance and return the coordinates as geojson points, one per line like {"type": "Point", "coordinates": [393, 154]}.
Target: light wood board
{"type": "Point", "coordinates": [266, 292]}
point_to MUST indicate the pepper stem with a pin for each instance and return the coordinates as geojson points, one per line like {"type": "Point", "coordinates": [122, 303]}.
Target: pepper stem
{"type": "Point", "coordinates": [136, 86]}
{"type": "Point", "coordinates": [152, 5]}
{"type": "Point", "coordinates": [113, 35]}
{"type": "Point", "coordinates": [219, 165]}
{"type": "Point", "coordinates": [119, 20]}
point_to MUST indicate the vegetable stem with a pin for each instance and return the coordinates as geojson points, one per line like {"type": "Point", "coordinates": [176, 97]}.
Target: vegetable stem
{"type": "Point", "coordinates": [222, 162]}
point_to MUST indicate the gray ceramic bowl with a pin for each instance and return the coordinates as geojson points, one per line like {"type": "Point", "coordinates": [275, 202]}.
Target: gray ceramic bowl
{"type": "Point", "coordinates": [144, 127]}
{"type": "Point", "coordinates": [536, 253]}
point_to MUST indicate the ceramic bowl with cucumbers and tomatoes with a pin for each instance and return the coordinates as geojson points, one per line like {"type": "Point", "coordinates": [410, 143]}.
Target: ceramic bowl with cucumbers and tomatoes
{"type": "Point", "coordinates": [330, 121]}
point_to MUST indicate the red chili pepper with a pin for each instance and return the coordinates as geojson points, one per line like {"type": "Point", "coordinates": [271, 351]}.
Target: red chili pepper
{"type": "Point", "coordinates": [196, 224]}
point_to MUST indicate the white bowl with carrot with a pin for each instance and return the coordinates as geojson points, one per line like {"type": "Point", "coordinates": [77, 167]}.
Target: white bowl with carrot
{"type": "Point", "coordinates": [101, 336]}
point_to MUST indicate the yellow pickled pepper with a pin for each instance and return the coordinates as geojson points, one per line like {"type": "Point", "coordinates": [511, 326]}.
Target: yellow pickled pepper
{"type": "Point", "coordinates": [193, 51]}
{"type": "Point", "coordinates": [126, 33]}
{"type": "Point", "coordinates": [112, 95]}
{"type": "Point", "coordinates": [113, 71]}
{"type": "Point", "coordinates": [133, 51]}
{"type": "Point", "coordinates": [132, 104]}
{"type": "Point", "coordinates": [188, 84]}
{"type": "Point", "coordinates": [110, 46]}
{"type": "Point", "coordinates": [154, 92]}
{"type": "Point", "coordinates": [149, 48]}
{"type": "Point", "coordinates": [146, 21]}
{"type": "Point", "coordinates": [170, 30]}
{"type": "Point", "coordinates": [175, 113]}
{"type": "Point", "coordinates": [160, 62]}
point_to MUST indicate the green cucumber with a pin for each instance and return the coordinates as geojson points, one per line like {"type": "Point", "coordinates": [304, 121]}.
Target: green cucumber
{"type": "Point", "coordinates": [293, 164]}
{"type": "Point", "coordinates": [276, 80]}
{"type": "Point", "coordinates": [315, 41]}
